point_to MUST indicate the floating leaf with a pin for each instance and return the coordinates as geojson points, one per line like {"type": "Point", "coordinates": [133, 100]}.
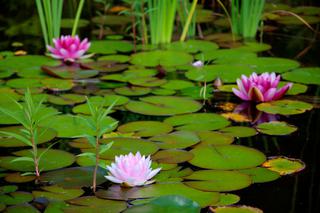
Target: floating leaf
{"type": "Point", "coordinates": [177, 84]}
{"type": "Point", "coordinates": [224, 56]}
{"type": "Point", "coordinates": [276, 128]}
{"type": "Point", "coordinates": [69, 72]}
{"type": "Point", "coordinates": [198, 121]}
{"type": "Point", "coordinates": [66, 99]}
{"type": "Point", "coordinates": [104, 66]}
{"type": "Point", "coordinates": [214, 138]}
{"type": "Point", "coordinates": [147, 81]}
{"type": "Point", "coordinates": [8, 188]}
{"type": "Point", "coordinates": [292, 20]}
{"type": "Point", "coordinates": [172, 156]}
{"type": "Point", "coordinates": [253, 47]}
{"type": "Point", "coordinates": [236, 209]}
{"type": "Point", "coordinates": [21, 83]}
{"type": "Point", "coordinates": [192, 46]}
{"type": "Point", "coordinates": [15, 198]}
{"type": "Point", "coordinates": [176, 140]}
{"type": "Point", "coordinates": [110, 47]}
{"type": "Point", "coordinates": [18, 178]}
{"type": "Point", "coordinates": [239, 131]}
{"type": "Point", "coordinates": [164, 92]}
{"type": "Point", "coordinates": [227, 199]}
{"type": "Point", "coordinates": [284, 165]}
{"type": "Point", "coordinates": [57, 84]}
{"type": "Point", "coordinates": [226, 157]}
{"type": "Point", "coordinates": [284, 107]}
{"type": "Point", "coordinates": [145, 128]}
{"type": "Point", "coordinates": [22, 208]}
{"type": "Point", "coordinates": [132, 91]}
{"type": "Point", "coordinates": [55, 192]}
{"type": "Point", "coordinates": [260, 175]}
{"type": "Point", "coordinates": [163, 105]}
{"type": "Point", "coordinates": [306, 75]}
{"type": "Point", "coordinates": [117, 58]}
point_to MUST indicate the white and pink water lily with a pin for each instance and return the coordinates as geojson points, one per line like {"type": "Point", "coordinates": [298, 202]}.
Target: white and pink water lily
{"type": "Point", "coordinates": [260, 88]}
{"type": "Point", "coordinates": [69, 48]}
{"type": "Point", "coordinates": [131, 170]}
{"type": "Point", "coordinates": [198, 64]}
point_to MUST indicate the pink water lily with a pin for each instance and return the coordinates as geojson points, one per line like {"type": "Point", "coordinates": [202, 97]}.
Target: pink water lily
{"type": "Point", "coordinates": [260, 88]}
{"type": "Point", "coordinates": [69, 48]}
{"type": "Point", "coordinates": [131, 170]}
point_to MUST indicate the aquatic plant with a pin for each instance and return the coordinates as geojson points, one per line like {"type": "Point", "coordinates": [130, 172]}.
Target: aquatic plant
{"type": "Point", "coordinates": [30, 114]}
{"type": "Point", "coordinates": [246, 16]}
{"type": "Point", "coordinates": [77, 18]}
{"type": "Point", "coordinates": [97, 122]}
{"type": "Point", "coordinates": [69, 48]}
{"type": "Point", "coordinates": [187, 16]}
{"type": "Point", "coordinates": [260, 88]}
{"type": "Point", "coordinates": [50, 13]}
{"type": "Point", "coordinates": [131, 170]}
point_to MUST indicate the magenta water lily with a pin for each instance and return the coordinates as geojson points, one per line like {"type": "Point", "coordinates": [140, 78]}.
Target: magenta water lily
{"type": "Point", "coordinates": [260, 88]}
{"type": "Point", "coordinates": [131, 170]}
{"type": "Point", "coordinates": [69, 48]}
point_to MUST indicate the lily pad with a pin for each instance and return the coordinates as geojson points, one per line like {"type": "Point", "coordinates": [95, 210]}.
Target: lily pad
{"type": "Point", "coordinates": [239, 131]}
{"type": "Point", "coordinates": [306, 10]}
{"type": "Point", "coordinates": [284, 107]}
{"type": "Point", "coordinates": [198, 121]}
{"type": "Point", "coordinates": [110, 46]}
{"type": "Point", "coordinates": [104, 66]}
{"type": "Point", "coordinates": [155, 190]}
{"type": "Point", "coordinates": [15, 198]}
{"type": "Point", "coordinates": [276, 128]}
{"type": "Point", "coordinates": [163, 105]}
{"type": "Point", "coordinates": [284, 165]}
{"type": "Point", "coordinates": [57, 84]}
{"type": "Point", "coordinates": [147, 81]}
{"type": "Point", "coordinates": [192, 46]}
{"type": "Point", "coordinates": [254, 47]}
{"type": "Point", "coordinates": [164, 92]}
{"type": "Point", "coordinates": [172, 156]}
{"type": "Point", "coordinates": [66, 99]}
{"type": "Point", "coordinates": [130, 74]}
{"type": "Point", "coordinates": [227, 199]}
{"type": "Point", "coordinates": [236, 209]}
{"type": "Point", "coordinates": [214, 138]}
{"type": "Point", "coordinates": [176, 140]}
{"type": "Point", "coordinates": [226, 157]}
{"type": "Point", "coordinates": [224, 56]}
{"type": "Point", "coordinates": [308, 75]}
{"type": "Point", "coordinates": [49, 160]}
{"type": "Point", "coordinates": [177, 84]}
{"type": "Point", "coordinates": [74, 177]}
{"type": "Point", "coordinates": [161, 57]}
{"type": "Point", "coordinates": [55, 192]}
{"type": "Point", "coordinates": [145, 128]}
{"type": "Point", "coordinates": [260, 175]}
{"type": "Point", "coordinates": [18, 178]}
{"type": "Point", "coordinates": [117, 58]}
{"type": "Point", "coordinates": [22, 208]}
{"type": "Point", "coordinates": [21, 83]}
{"type": "Point", "coordinates": [292, 20]}
{"type": "Point", "coordinates": [221, 181]}
{"type": "Point", "coordinates": [132, 91]}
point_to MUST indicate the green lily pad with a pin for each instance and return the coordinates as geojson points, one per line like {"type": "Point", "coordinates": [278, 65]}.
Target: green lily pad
{"type": "Point", "coordinates": [44, 135]}
{"type": "Point", "coordinates": [221, 181]}
{"type": "Point", "coordinates": [164, 92]}
{"type": "Point", "coordinates": [176, 140]}
{"type": "Point", "coordinates": [110, 47]}
{"type": "Point", "coordinates": [155, 190]}
{"type": "Point", "coordinates": [69, 72]}
{"type": "Point", "coordinates": [69, 23]}
{"type": "Point", "coordinates": [132, 91]}
{"type": "Point", "coordinates": [306, 10]}
{"type": "Point", "coordinates": [260, 175]}
{"type": "Point", "coordinates": [104, 66]}
{"type": "Point", "coordinates": [49, 160]}
{"type": "Point", "coordinates": [6, 73]}
{"type": "Point", "coordinates": [292, 20]}
{"type": "Point", "coordinates": [284, 107]}
{"type": "Point", "coordinates": [226, 72]}
{"type": "Point", "coordinates": [130, 74]}
{"type": "Point", "coordinates": [8, 189]}
{"type": "Point", "coordinates": [15, 198]}
{"type": "Point", "coordinates": [163, 105]}
{"type": "Point", "coordinates": [226, 157]}
{"type": "Point", "coordinates": [308, 75]}
{"type": "Point", "coordinates": [177, 84]}
{"type": "Point", "coordinates": [112, 20]}
{"type": "Point", "coordinates": [224, 56]}
{"type": "Point", "coordinates": [172, 156]}
{"type": "Point", "coordinates": [198, 121]}
{"type": "Point", "coordinates": [196, 92]}
{"type": "Point", "coordinates": [147, 81]}
{"type": "Point", "coordinates": [237, 209]}
{"type": "Point", "coordinates": [8, 94]}
{"type": "Point", "coordinates": [66, 99]}
{"type": "Point", "coordinates": [117, 58]}
{"type": "Point", "coordinates": [161, 57]}
{"type": "Point", "coordinates": [55, 192]}
{"type": "Point", "coordinates": [21, 83]}
{"type": "Point", "coordinates": [57, 84]}
{"type": "Point", "coordinates": [145, 128]}
{"type": "Point", "coordinates": [192, 46]}
{"type": "Point", "coordinates": [276, 128]}
{"type": "Point", "coordinates": [227, 199]}
{"type": "Point", "coordinates": [22, 208]}
{"type": "Point", "coordinates": [214, 138]}
{"type": "Point", "coordinates": [284, 165]}
{"type": "Point", "coordinates": [239, 131]}
{"type": "Point", "coordinates": [16, 177]}
{"type": "Point", "coordinates": [73, 177]}
{"type": "Point", "coordinates": [169, 203]}
{"type": "Point", "coordinates": [254, 47]}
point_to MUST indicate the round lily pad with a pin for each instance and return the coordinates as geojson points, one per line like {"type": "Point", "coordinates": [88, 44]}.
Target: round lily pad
{"type": "Point", "coordinates": [226, 157]}
{"type": "Point", "coordinates": [176, 140]}
{"type": "Point", "coordinates": [192, 46]}
{"type": "Point", "coordinates": [49, 160]}
{"type": "Point", "coordinates": [8, 188]}
{"type": "Point", "coordinates": [145, 128]}
{"type": "Point", "coordinates": [57, 84]}
{"type": "Point", "coordinates": [73, 177]}
{"type": "Point", "coordinates": [260, 175]}
{"type": "Point", "coordinates": [236, 209]}
{"type": "Point", "coordinates": [177, 84]}
{"type": "Point", "coordinates": [292, 20]}
{"type": "Point", "coordinates": [21, 83]}
{"type": "Point", "coordinates": [198, 121]}
{"type": "Point", "coordinates": [306, 75]}
{"type": "Point", "coordinates": [276, 128]}
{"type": "Point", "coordinates": [254, 47]}
{"type": "Point", "coordinates": [161, 57]}
{"type": "Point", "coordinates": [44, 135]}
{"type": "Point", "coordinates": [224, 56]}
{"type": "Point", "coordinates": [239, 131]}
{"type": "Point", "coordinates": [5, 73]}
{"type": "Point", "coordinates": [163, 105]}
{"type": "Point", "coordinates": [130, 74]}
{"type": "Point", "coordinates": [284, 107]}
{"type": "Point", "coordinates": [284, 165]}
{"type": "Point", "coordinates": [55, 192]}
{"type": "Point", "coordinates": [155, 190]}
{"type": "Point", "coordinates": [25, 208]}
{"type": "Point", "coordinates": [66, 99]}
{"type": "Point", "coordinates": [227, 199]}
{"type": "Point", "coordinates": [69, 72]}
{"type": "Point", "coordinates": [15, 198]}
{"type": "Point", "coordinates": [147, 81]}
{"type": "Point", "coordinates": [306, 10]}
{"type": "Point", "coordinates": [117, 58]}
{"type": "Point", "coordinates": [104, 66]}
{"type": "Point", "coordinates": [164, 92]}
{"type": "Point", "coordinates": [214, 138]}
{"type": "Point", "coordinates": [18, 178]}
{"type": "Point", "coordinates": [172, 156]}
{"type": "Point", "coordinates": [132, 91]}
{"type": "Point", "coordinates": [221, 181]}
{"type": "Point", "coordinates": [226, 72]}
{"type": "Point", "coordinates": [110, 46]}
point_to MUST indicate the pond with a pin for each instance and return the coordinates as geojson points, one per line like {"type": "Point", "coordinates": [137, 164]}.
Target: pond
{"type": "Point", "coordinates": [65, 121]}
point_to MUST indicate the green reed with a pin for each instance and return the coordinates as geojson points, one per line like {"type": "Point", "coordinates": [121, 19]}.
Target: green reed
{"type": "Point", "coordinates": [77, 18]}
{"type": "Point", "coordinates": [187, 16]}
{"type": "Point", "coordinates": [246, 17]}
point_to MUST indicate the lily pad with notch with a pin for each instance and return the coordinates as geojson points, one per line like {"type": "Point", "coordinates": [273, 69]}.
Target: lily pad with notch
{"type": "Point", "coordinates": [284, 165]}
{"type": "Point", "coordinates": [145, 128]}
{"type": "Point", "coordinates": [305, 75]}
{"type": "Point", "coordinates": [284, 107]}
{"type": "Point", "coordinates": [239, 131]}
{"type": "Point", "coordinates": [55, 192]}
{"type": "Point", "coordinates": [276, 128]}
{"type": "Point", "coordinates": [192, 46]}
{"type": "Point", "coordinates": [172, 156]}
{"type": "Point", "coordinates": [110, 46]}
{"type": "Point", "coordinates": [132, 91]}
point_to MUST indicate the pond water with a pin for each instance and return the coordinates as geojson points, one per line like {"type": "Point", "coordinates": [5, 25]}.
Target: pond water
{"type": "Point", "coordinates": [190, 133]}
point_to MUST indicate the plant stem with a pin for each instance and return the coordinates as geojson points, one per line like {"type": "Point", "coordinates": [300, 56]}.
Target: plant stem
{"type": "Point", "coordinates": [186, 26]}
{"type": "Point", "coordinates": [94, 181]}
{"type": "Point", "coordinates": [35, 154]}
{"type": "Point", "coordinates": [76, 21]}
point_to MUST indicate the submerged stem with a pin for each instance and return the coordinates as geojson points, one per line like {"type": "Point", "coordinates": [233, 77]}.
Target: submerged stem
{"type": "Point", "coordinates": [94, 181]}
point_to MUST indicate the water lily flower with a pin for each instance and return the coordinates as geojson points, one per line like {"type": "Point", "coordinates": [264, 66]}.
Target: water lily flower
{"type": "Point", "coordinates": [131, 170]}
{"type": "Point", "coordinates": [260, 88]}
{"type": "Point", "coordinates": [69, 48]}
{"type": "Point", "coordinates": [198, 64]}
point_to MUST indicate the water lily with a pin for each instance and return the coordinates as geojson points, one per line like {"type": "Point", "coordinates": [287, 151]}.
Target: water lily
{"type": "Point", "coordinates": [260, 88]}
{"type": "Point", "coordinates": [198, 64]}
{"type": "Point", "coordinates": [131, 170]}
{"type": "Point", "coordinates": [69, 48]}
